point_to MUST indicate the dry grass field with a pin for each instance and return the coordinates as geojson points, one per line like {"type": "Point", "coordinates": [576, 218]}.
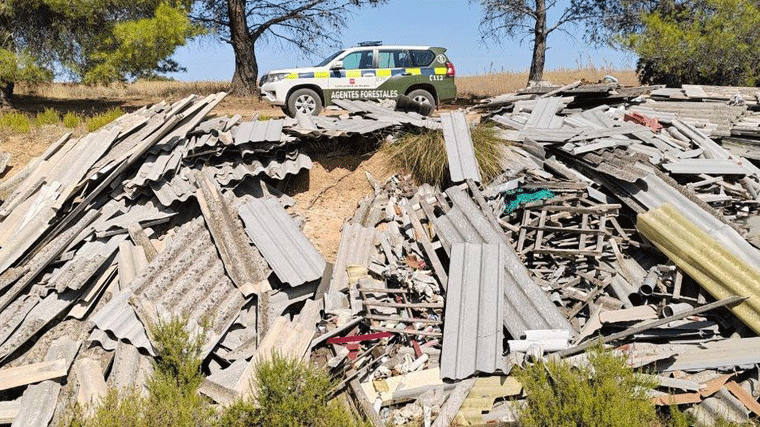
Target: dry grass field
{"type": "Point", "coordinates": [83, 102]}
{"type": "Point", "coordinates": [499, 83]}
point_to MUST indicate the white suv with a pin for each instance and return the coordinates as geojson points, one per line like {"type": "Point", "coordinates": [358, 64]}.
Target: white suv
{"type": "Point", "coordinates": [368, 71]}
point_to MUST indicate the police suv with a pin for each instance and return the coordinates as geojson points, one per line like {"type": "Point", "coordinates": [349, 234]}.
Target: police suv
{"type": "Point", "coordinates": [367, 71]}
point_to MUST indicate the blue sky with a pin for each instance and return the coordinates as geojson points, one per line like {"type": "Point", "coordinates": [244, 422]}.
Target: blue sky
{"type": "Point", "coordinates": [448, 23]}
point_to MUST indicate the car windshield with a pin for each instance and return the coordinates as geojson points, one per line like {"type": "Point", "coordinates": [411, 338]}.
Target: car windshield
{"type": "Point", "coordinates": [329, 58]}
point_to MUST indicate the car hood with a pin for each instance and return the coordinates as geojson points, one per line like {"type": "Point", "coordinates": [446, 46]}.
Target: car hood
{"type": "Point", "coordinates": [298, 70]}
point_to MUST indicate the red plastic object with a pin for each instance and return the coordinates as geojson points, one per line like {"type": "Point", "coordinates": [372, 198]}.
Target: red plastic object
{"type": "Point", "coordinates": [359, 338]}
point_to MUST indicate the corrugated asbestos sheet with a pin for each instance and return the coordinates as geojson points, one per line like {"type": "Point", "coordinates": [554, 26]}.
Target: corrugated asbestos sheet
{"type": "Point", "coordinates": [118, 318]}
{"type": "Point", "coordinates": [544, 114]}
{"type": "Point", "coordinates": [357, 244]}
{"type": "Point", "coordinates": [37, 405]}
{"type": "Point", "coordinates": [333, 126]}
{"type": "Point", "coordinates": [188, 278]}
{"type": "Point", "coordinates": [474, 309]}
{"type": "Point", "coordinates": [526, 305]}
{"type": "Point", "coordinates": [705, 259]}
{"type": "Point", "coordinates": [228, 172]}
{"type": "Point", "coordinates": [380, 113]}
{"type": "Point", "coordinates": [258, 131]}
{"type": "Point", "coordinates": [243, 263]}
{"type": "Point", "coordinates": [289, 253]}
{"type": "Point", "coordinates": [459, 149]}
{"type": "Point", "coordinates": [722, 354]}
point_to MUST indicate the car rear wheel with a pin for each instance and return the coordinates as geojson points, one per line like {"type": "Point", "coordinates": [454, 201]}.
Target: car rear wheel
{"type": "Point", "coordinates": [422, 96]}
{"type": "Point", "coordinates": [306, 101]}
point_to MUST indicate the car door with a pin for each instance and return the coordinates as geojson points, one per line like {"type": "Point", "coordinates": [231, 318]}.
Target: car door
{"type": "Point", "coordinates": [356, 77]}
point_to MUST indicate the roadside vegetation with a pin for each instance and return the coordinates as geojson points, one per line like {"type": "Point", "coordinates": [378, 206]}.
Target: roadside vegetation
{"type": "Point", "coordinates": [15, 122]}
{"type": "Point", "coordinates": [290, 393]}
{"type": "Point", "coordinates": [423, 155]}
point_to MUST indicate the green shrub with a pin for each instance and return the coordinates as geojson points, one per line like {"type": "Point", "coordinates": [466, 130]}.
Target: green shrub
{"type": "Point", "coordinates": [15, 122]}
{"type": "Point", "coordinates": [423, 155]}
{"type": "Point", "coordinates": [605, 392]}
{"type": "Point", "coordinates": [47, 117]}
{"type": "Point", "coordinates": [173, 399]}
{"type": "Point", "coordinates": [71, 120]}
{"type": "Point", "coordinates": [289, 393]}
{"type": "Point", "coordinates": [99, 120]}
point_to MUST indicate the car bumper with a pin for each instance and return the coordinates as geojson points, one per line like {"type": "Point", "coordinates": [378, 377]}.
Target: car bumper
{"type": "Point", "coordinates": [274, 94]}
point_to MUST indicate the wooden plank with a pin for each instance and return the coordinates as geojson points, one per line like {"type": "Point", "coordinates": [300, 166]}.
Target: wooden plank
{"type": "Point", "coordinates": [403, 305]}
{"type": "Point", "coordinates": [540, 232]}
{"type": "Point", "coordinates": [523, 230]}
{"type": "Point", "coordinates": [34, 373]}
{"type": "Point", "coordinates": [8, 411]}
{"type": "Point", "coordinates": [423, 239]}
{"type": "Point", "coordinates": [568, 252]}
{"type": "Point", "coordinates": [406, 331]}
{"type": "Point", "coordinates": [450, 409]}
{"type": "Point", "coordinates": [744, 396]}
{"type": "Point", "coordinates": [401, 319]}
{"type": "Point", "coordinates": [580, 210]}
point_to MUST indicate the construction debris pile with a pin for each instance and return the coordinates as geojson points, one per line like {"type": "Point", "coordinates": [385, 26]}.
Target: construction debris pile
{"type": "Point", "coordinates": [620, 215]}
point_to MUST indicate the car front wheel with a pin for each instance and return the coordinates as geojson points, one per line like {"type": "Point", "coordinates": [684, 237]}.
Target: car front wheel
{"type": "Point", "coordinates": [306, 101]}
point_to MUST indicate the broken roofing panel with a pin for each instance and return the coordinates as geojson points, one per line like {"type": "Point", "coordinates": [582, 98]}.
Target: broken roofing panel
{"type": "Point", "coordinates": [188, 278]}
{"type": "Point", "coordinates": [243, 263]}
{"type": "Point", "coordinates": [526, 305]}
{"type": "Point", "coordinates": [356, 247]}
{"type": "Point", "coordinates": [258, 131]}
{"type": "Point", "coordinates": [544, 114]}
{"type": "Point", "coordinates": [289, 253]}
{"type": "Point", "coordinates": [474, 309]}
{"type": "Point", "coordinates": [459, 149]}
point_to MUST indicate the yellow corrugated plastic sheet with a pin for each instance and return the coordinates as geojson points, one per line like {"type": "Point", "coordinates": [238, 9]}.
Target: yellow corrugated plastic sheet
{"type": "Point", "coordinates": [706, 260]}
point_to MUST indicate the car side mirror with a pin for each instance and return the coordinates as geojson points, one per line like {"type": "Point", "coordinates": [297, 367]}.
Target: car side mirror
{"type": "Point", "coordinates": [338, 65]}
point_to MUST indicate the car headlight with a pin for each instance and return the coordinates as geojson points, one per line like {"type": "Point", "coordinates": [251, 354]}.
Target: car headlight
{"type": "Point", "coordinates": [271, 78]}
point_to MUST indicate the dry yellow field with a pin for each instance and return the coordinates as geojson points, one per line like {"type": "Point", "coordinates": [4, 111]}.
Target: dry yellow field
{"type": "Point", "coordinates": [508, 82]}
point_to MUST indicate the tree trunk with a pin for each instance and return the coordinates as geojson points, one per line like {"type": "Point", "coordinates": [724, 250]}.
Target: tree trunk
{"type": "Point", "coordinates": [539, 43]}
{"type": "Point", "coordinates": [245, 79]}
{"type": "Point", "coordinates": [6, 93]}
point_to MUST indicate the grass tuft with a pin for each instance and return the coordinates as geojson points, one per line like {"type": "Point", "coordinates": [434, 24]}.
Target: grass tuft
{"type": "Point", "coordinates": [99, 120]}
{"type": "Point", "coordinates": [71, 120]}
{"type": "Point", "coordinates": [289, 393]}
{"type": "Point", "coordinates": [47, 117]}
{"type": "Point", "coordinates": [604, 392]}
{"type": "Point", "coordinates": [423, 155]}
{"type": "Point", "coordinates": [173, 399]}
{"type": "Point", "coordinates": [15, 122]}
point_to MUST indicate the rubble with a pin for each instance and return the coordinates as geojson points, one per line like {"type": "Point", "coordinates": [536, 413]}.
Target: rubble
{"type": "Point", "coordinates": [625, 213]}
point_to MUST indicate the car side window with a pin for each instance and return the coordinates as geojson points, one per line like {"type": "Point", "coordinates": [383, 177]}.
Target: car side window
{"type": "Point", "coordinates": [421, 58]}
{"type": "Point", "coordinates": [393, 58]}
{"type": "Point", "coordinates": [358, 60]}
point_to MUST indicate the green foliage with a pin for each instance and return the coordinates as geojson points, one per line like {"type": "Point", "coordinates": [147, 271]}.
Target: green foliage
{"type": "Point", "coordinates": [700, 42]}
{"type": "Point", "coordinates": [423, 154]}
{"type": "Point", "coordinates": [605, 392]}
{"type": "Point", "coordinates": [173, 399]}
{"type": "Point", "coordinates": [289, 393]}
{"type": "Point", "coordinates": [47, 117]}
{"type": "Point", "coordinates": [15, 122]}
{"type": "Point", "coordinates": [99, 120]}
{"type": "Point", "coordinates": [140, 48]}
{"type": "Point", "coordinates": [71, 120]}
{"type": "Point", "coordinates": [21, 68]}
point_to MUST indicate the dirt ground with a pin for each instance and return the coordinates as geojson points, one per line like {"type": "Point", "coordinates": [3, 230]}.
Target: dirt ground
{"type": "Point", "coordinates": [330, 193]}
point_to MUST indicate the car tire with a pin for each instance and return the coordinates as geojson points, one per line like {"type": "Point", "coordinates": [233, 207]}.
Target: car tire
{"type": "Point", "coordinates": [422, 96]}
{"type": "Point", "coordinates": [305, 100]}
{"type": "Point", "coordinates": [285, 110]}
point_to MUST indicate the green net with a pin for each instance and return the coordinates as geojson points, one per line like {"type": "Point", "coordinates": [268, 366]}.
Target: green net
{"type": "Point", "coordinates": [513, 199]}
